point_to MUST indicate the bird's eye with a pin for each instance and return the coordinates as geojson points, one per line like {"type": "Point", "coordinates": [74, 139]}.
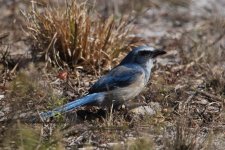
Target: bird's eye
{"type": "Point", "coordinates": [144, 53]}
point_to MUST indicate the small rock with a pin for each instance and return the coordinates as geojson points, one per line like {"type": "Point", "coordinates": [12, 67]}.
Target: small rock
{"type": "Point", "coordinates": [69, 93]}
{"type": "Point", "coordinates": [57, 92]}
{"type": "Point", "coordinates": [1, 114]}
{"type": "Point", "coordinates": [143, 110]}
{"type": "Point", "coordinates": [156, 106]}
{"type": "Point", "coordinates": [87, 148]}
{"type": "Point", "coordinates": [2, 96]}
{"type": "Point", "coordinates": [22, 115]}
{"type": "Point", "coordinates": [86, 84]}
{"type": "Point", "coordinates": [201, 101]}
{"type": "Point", "coordinates": [112, 144]}
{"type": "Point", "coordinates": [6, 109]}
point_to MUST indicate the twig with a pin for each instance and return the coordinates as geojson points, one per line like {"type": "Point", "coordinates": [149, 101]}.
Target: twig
{"type": "Point", "coordinates": [189, 99]}
{"type": "Point", "coordinates": [15, 67]}
{"type": "Point", "coordinates": [214, 98]}
{"type": "Point", "coordinates": [3, 35]}
{"type": "Point", "coordinates": [217, 39]}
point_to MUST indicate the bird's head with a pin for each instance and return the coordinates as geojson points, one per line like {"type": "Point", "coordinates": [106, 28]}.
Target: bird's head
{"type": "Point", "coordinates": [142, 55]}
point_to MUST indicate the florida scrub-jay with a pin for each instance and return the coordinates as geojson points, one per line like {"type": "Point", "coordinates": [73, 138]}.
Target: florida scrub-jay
{"type": "Point", "coordinates": [122, 83]}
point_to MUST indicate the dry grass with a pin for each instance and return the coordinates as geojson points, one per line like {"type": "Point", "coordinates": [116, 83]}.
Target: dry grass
{"type": "Point", "coordinates": [22, 136]}
{"type": "Point", "coordinates": [181, 136]}
{"type": "Point", "coordinates": [27, 89]}
{"type": "Point", "coordinates": [184, 138]}
{"type": "Point", "coordinates": [74, 34]}
{"type": "Point", "coordinates": [26, 97]}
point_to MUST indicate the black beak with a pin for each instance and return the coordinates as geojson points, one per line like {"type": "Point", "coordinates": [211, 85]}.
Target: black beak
{"type": "Point", "coordinates": [158, 52]}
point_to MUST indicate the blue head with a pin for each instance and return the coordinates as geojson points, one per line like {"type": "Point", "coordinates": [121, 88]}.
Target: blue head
{"type": "Point", "coordinates": [142, 55]}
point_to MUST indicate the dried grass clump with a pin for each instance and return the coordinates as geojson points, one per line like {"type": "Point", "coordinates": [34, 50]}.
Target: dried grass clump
{"type": "Point", "coordinates": [74, 34]}
{"type": "Point", "coordinates": [185, 138]}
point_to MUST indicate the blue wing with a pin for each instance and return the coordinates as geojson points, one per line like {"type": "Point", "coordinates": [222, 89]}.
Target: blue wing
{"type": "Point", "coordinates": [120, 76]}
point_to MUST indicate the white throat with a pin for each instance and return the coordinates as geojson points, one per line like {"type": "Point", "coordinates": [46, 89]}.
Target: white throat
{"type": "Point", "coordinates": [148, 68]}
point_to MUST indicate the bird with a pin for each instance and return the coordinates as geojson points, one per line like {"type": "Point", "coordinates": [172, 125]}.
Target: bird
{"type": "Point", "coordinates": [122, 83]}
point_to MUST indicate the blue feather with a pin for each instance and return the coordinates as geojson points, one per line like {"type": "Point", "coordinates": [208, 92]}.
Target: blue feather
{"type": "Point", "coordinates": [88, 99]}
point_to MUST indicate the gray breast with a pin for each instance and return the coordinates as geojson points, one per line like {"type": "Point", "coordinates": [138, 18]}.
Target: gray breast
{"type": "Point", "coordinates": [119, 95]}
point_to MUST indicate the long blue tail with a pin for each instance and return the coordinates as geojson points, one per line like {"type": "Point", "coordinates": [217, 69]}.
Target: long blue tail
{"type": "Point", "coordinates": [91, 98]}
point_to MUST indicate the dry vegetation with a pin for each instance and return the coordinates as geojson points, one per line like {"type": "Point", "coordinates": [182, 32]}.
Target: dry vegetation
{"type": "Point", "coordinates": [74, 34]}
{"type": "Point", "coordinates": [80, 41]}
